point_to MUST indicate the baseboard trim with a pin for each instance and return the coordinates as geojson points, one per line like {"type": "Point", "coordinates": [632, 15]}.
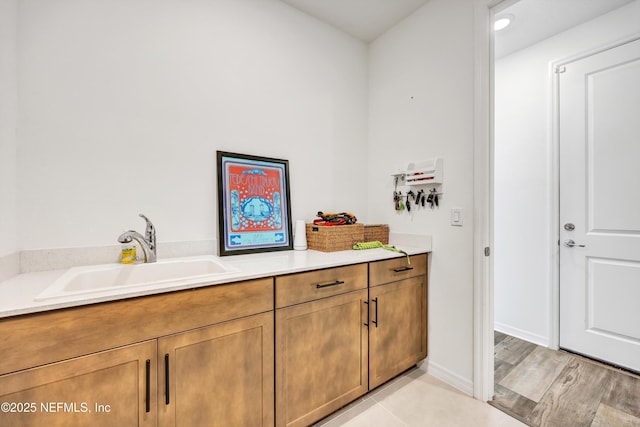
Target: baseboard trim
{"type": "Point", "coordinates": [522, 334]}
{"type": "Point", "coordinates": [449, 377]}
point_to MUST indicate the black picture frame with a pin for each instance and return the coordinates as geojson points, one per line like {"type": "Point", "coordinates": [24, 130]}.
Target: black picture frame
{"type": "Point", "coordinates": [254, 209]}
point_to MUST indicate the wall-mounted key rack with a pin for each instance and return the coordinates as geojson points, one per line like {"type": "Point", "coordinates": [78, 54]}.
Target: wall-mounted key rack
{"type": "Point", "coordinates": [427, 173]}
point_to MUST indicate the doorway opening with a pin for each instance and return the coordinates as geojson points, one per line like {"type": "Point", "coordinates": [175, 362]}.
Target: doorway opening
{"type": "Point", "coordinates": [526, 271]}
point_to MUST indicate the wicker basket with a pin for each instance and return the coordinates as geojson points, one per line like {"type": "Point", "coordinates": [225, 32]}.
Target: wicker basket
{"type": "Point", "coordinates": [376, 232]}
{"type": "Point", "coordinates": [334, 238]}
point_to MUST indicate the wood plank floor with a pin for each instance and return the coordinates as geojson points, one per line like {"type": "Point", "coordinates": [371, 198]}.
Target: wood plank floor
{"type": "Point", "coordinates": [543, 387]}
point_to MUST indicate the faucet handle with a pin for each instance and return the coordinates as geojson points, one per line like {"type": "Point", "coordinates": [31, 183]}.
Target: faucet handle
{"type": "Point", "coordinates": [150, 232]}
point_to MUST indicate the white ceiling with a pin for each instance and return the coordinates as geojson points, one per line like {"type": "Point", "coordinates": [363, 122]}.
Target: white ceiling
{"type": "Point", "coordinates": [535, 20]}
{"type": "Point", "coordinates": [363, 19]}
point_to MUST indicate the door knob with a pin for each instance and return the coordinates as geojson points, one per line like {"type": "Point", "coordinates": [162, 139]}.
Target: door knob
{"type": "Point", "coordinates": [570, 243]}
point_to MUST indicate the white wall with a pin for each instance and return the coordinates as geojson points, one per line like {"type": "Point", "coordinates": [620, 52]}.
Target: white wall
{"type": "Point", "coordinates": [524, 246]}
{"type": "Point", "coordinates": [421, 106]}
{"type": "Point", "coordinates": [124, 103]}
{"type": "Point", "coordinates": [8, 117]}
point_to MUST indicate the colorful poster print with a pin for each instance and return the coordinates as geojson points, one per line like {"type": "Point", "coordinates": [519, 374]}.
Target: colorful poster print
{"type": "Point", "coordinates": [253, 200]}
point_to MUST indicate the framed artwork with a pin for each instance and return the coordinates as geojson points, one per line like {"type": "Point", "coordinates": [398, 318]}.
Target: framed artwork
{"type": "Point", "coordinates": [254, 212]}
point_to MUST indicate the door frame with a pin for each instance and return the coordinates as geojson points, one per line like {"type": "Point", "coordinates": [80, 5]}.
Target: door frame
{"type": "Point", "coordinates": [554, 333]}
{"type": "Point", "coordinates": [483, 142]}
{"type": "Point", "coordinates": [483, 346]}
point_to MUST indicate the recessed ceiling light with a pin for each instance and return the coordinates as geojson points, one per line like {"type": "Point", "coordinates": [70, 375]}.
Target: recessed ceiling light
{"type": "Point", "coordinates": [502, 22]}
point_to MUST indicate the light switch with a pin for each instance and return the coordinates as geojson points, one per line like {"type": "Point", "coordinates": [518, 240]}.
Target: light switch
{"type": "Point", "coordinates": [456, 217]}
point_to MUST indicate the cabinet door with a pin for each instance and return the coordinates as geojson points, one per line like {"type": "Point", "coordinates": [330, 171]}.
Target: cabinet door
{"type": "Point", "coordinates": [398, 331]}
{"type": "Point", "coordinates": [111, 388]}
{"type": "Point", "coordinates": [321, 357]}
{"type": "Point", "coordinates": [220, 375]}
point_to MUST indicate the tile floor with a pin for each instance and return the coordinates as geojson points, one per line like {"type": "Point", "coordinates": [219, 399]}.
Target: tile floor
{"type": "Point", "coordinates": [544, 387]}
{"type": "Point", "coordinates": [421, 400]}
{"type": "Point", "coordinates": [554, 389]}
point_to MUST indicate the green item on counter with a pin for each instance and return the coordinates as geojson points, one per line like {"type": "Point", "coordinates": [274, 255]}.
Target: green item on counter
{"type": "Point", "coordinates": [376, 244]}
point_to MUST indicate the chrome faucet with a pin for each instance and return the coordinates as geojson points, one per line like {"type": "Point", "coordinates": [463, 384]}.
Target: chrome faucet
{"type": "Point", "coordinates": [147, 242]}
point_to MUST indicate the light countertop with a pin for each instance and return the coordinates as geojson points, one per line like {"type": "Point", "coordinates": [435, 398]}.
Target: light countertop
{"type": "Point", "coordinates": [18, 294]}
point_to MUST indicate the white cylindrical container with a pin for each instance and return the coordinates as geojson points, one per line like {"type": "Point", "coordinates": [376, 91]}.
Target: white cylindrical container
{"type": "Point", "coordinates": [300, 236]}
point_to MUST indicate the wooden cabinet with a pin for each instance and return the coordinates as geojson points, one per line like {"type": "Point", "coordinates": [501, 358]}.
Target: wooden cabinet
{"type": "Point", "coordinates": [336, 339]}
{"type": "Point", "coordinates": [321, 345]}
{"type": "Point", "coordinates": [218, 344]}
{"type": "Point", "coordinates": [110, 388]}
{"type": "Point", "coordinates": [40, 338]}
{"type": "Point", "coordinates": [221, 375]}
{"type": "Point", "coordinates": [398, 317]}
{"type": "Point", "coordinates": [219, 355]}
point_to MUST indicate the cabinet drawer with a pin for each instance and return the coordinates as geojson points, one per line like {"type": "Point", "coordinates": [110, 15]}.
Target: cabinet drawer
{"type": "Point", "coordinates": [303, 287]}
{"type": "Point", "coordinates": [396, 269]}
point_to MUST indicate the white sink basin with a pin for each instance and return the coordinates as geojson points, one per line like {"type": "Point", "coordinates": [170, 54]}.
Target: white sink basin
{"type": "Point", "coordinates": [110, 277]}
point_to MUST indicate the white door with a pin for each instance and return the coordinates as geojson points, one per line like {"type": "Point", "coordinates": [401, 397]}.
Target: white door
{"type": "Point", "coordinates": [599, 127]}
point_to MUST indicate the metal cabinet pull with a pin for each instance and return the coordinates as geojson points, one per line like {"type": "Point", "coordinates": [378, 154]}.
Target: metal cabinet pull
{"type": "Point", "coordinates": [326, 285]}
{"type": "Point", "coordinates": [148, 386]}
{"type": "Point", "coordinates": [401, 269]}
{"type": "Point", "coordinates": [166, 379]}
{"type": "Point", "coordinates": [367, 324]}
{"type": "Point", "coordinates": [375, 322]}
